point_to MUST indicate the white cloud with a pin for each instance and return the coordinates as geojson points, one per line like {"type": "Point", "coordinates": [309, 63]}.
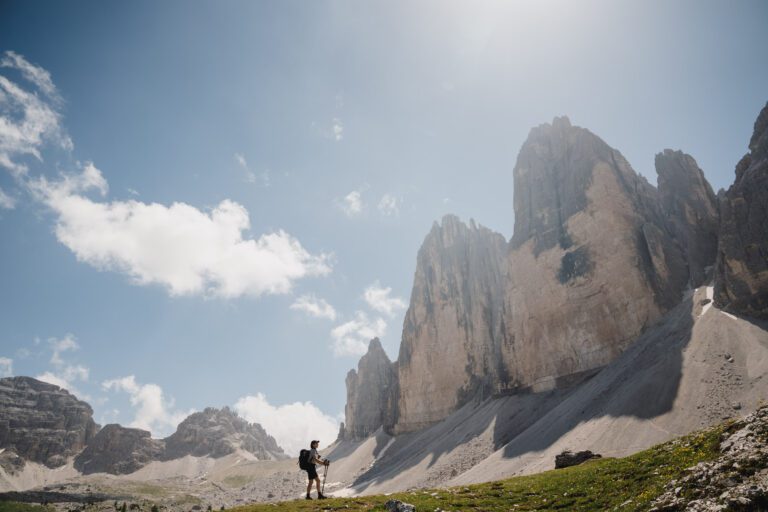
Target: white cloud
{"type": "Point", "coordinates": [250, 176]}
{"type": "Point", "coordinates": [338, 129]}
{"type": "Point", "coordinates": [35, 74]}
{"type": "Point", "coordinates": [153, 411]}
{"type": "Point", "coordinates": [314, 306]}
{"type": "Point", "coordinates": [242, 162]}
{"type": "Point", "coordinates": [184, 249]}
{"type": "Point", "coordinates": [292, 425]}
{"type": "Point", "coordinates": [378, 298]}
{"type": "Point", "coordinates": [351, 338]}
{"type": "Point", "coordinates": [6, 201]}
{"type": "Point", "coordinates": [389, 205]}
{"type": "Point", "coordinates": [65, 374]}
{"type": "Point", "coordinates": [27, 120]}
{"type": "Point", "coordinates": [6, 367]}
{"type": "Point", "coordinates": [352, 204]}
{"type": "Point", "coordinates": [67, 343]}
{"type": "Point", "coordinates": [51, 378]}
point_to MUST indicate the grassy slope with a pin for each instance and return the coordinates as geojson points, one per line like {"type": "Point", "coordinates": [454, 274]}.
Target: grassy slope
{"type": "Point", "coordinates": [10, 506]}
{"type": "Point", "coordinates": [630, 483]}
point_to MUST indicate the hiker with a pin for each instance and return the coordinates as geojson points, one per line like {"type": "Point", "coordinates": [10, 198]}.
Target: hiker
{"type": "Point", "coordinates": [307, 461]}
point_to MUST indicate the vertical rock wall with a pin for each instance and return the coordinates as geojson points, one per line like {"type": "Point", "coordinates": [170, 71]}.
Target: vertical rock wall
{"type": "Point", "coordinates": [741, 275]}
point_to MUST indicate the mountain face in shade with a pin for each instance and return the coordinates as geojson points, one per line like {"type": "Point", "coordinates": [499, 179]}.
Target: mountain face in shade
{"type": "Point", "coordinates": [598, 255]}
{"type": "Point", "coordinates": [119, 450]}
{"type": "Point", "coordinates": [691, 211]}
{"type": "Point", "coordinates": [370, 393]}
{"type": "Point", "coordinates": [741, 276]}
{"type": "Point", "coordinates": [41, 422]}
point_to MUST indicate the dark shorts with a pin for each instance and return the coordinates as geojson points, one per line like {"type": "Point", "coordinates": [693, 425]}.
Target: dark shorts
{"type": "Point", "coordinates": [312, 473]}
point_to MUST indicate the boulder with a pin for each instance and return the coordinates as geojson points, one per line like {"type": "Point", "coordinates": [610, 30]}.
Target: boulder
{"type": "Point", "coordinates": [567, 458]}
{"type": "Point", "coordinates": [399, 506]}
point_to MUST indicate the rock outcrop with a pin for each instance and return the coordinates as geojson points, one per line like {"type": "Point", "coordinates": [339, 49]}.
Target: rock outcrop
{"type": "Point", "coordinates": [567, 458]}
{"type": "Point", "coordinates": [736, 480]}
{"type": "Point", "coordinates": [598, 255]}
{"type": "Point", "coordinates": [41, 422]}
{"type": "Point", "coordinates": [448, 349]}
{"type": "Point", "coordinates": [219, 432]}
{"type": "Point", "coordinates": [741, 274]}
{"type": "Point", "coordinates": [690, 207]}
{"type": "Point", "coordinates": [370, 394]}
{"type": "Point", "coordinates": [593, 262]}
{"type": "Point", "coordinates": [119, 450]}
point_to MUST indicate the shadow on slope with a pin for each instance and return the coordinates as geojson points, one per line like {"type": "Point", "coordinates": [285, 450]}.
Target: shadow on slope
{"type": "Point", "coordinates": [695, 368]}
{"type": "Point", "coordinates": [642, 382]}
{"type": "Point", "coordinates": [529, 422]}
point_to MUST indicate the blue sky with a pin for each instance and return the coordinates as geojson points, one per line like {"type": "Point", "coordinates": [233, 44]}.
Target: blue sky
{"type": "Point", "coordinates": [229, 196]}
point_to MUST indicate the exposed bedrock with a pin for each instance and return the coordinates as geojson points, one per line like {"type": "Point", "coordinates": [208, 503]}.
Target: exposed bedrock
{"type": "Point", "coordinates": [119, 450]}
{"type": "Point", "coordinates": [370, 393]}
{"type": "Point", "coordinates": [598, 255]}
{"type": "Point", "coordinates": [741, 274]}
{"type": "Point", "coordinates": [219, 432]}
{"type": "Point", "coordinates": [593, 261]}
{"type": "Point", "coordinates": [449, 346]}
{"type": "Point", "coordinates": [691, 211]}
{"type": "Point", "coordinates": [41, 422]}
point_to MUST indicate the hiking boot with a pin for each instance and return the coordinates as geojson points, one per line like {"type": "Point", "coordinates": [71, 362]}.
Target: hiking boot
{"type": "Point", "coordinates": [322, 497]}
{"type": "Point", "coordinates": [307, 497]}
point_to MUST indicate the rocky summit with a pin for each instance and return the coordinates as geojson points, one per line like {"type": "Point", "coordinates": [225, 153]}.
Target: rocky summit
{"type": "Point", "coordinates": [450, 330]}
{"type": "Point", "coordinates": [219, 432]}
{"type": "Point", "coordinates": [598, 255]}
{"type": "Point", "coordinates": [42, 423]}
{"type": "Point", "coordinates": [741, 279]}
{"type": "Point", "coordinates": [369, 393]}
{"type": "Point", "coordinates": [690, 210]}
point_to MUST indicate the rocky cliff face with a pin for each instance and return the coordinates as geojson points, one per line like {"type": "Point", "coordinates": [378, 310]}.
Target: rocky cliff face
{"type": "Point", "coordinates": [119, 450]}
{"type": "Point", "coordinates": [691, 211]}
{"type": "Point", "coordinates": [219, 432]}
{"type": "Point", "coordinates": [741, 275]}
{"type": "Point", "coordinates": [448, 349]}
{"type": "Point", "coordinates": [593, 261]}
{"type": "Point", "coordinates": [598, 255]}
{"type": "Point", "coordinates": [370, 393]}
{"type": "Point", "coordinates": [41, 422]}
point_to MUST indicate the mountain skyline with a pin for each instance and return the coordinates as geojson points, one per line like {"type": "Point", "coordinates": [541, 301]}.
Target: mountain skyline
{"type": "Point", "coordinates": [296, 141]}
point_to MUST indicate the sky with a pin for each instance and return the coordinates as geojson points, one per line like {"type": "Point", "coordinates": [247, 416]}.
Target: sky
{"type": "Point", "coordinates": [220, 203]}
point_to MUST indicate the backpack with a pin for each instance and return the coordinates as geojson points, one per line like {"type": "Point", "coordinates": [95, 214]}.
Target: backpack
{"type": "Point", "coordinates": [304, 460]}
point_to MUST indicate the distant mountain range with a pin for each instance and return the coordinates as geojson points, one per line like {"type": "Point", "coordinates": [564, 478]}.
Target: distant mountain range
{"type": "Point", "coordinates": [42, 423]}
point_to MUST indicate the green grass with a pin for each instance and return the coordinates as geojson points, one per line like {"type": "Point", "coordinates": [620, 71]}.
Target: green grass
{"type": "Point", "coordinates": [627, 484]}
{"type": "Point", "coordinates": [12, 506]}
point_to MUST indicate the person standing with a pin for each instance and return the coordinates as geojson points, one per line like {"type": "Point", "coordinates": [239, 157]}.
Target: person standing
{"type": "Point", "coordinates": [314, 459]}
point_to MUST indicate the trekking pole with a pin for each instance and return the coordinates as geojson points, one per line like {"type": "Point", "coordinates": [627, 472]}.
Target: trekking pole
{"type": "Point", "coordinates": [325, 477]}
